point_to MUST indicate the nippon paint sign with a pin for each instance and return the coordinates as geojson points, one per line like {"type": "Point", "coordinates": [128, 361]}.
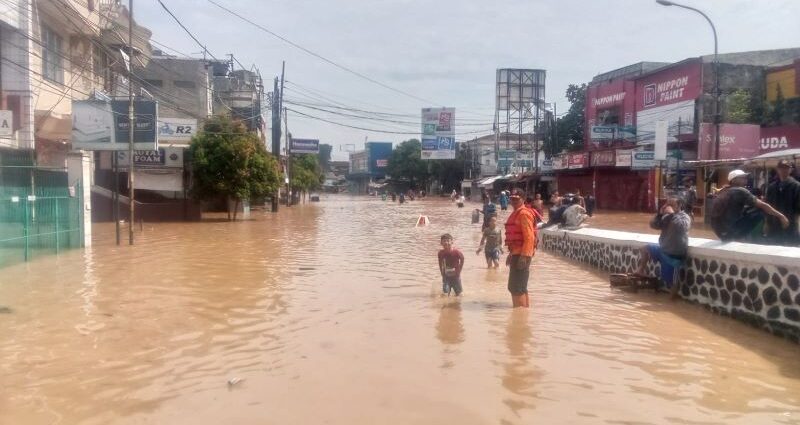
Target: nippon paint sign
{"type": "Point", "coordinates": [670, 85]}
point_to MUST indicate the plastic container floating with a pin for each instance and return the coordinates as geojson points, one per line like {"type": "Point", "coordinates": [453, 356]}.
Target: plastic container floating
{"type": "Point", "coordinates": [423, 221]}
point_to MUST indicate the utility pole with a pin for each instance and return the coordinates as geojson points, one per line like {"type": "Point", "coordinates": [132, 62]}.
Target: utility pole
{"type": "Point", "coordinates": [288, 159]}
{"type": "Point", "coordinates": [554, 145]}
{"type": "Point", "coordinates": [131, 122]}
{"type": "Point", "coordinates": [276, 139]}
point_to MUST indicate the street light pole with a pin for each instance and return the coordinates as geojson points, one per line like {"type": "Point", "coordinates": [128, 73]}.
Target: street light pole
{"type": "Point", "coordinates": [717, 111]}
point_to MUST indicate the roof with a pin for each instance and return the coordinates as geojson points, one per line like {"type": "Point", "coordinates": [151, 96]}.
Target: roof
{"type": "Point", "coordinates": [630, 70]}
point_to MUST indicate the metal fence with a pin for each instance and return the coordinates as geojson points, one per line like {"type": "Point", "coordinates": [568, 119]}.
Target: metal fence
{"type": "Point", "coordinates": [40, 214]}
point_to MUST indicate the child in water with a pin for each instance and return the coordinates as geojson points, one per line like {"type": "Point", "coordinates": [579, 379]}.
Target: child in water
{"type": "Point", "coordinates": [451, 261]}
{"type": "Point", "coordinates": [491, 243]}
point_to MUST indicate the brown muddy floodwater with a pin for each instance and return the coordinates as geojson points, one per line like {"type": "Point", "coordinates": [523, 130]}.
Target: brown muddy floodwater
{"type": "Point", "coordinates": [328, 313]}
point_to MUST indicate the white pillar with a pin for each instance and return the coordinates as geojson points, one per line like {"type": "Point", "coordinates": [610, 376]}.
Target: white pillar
{"type": "Point", "coordinates": [80, 168]}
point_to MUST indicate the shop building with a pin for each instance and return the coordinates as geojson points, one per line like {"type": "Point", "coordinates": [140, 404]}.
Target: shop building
{"type": "Point", "coordinates": [368, 167]}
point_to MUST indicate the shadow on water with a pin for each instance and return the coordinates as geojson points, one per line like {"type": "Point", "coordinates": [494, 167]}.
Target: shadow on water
{"type": "Point", "coordinates": [780, 352]}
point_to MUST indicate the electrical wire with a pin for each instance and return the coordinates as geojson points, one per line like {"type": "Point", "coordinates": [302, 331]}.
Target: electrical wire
{"type": "Point", "coordinates": [185, 29]}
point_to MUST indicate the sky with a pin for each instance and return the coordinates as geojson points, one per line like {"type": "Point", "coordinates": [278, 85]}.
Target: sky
{"type": "Point", "coordinates": [446, 52]}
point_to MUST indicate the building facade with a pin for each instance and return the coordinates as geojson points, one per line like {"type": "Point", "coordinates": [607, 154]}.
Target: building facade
{"type": "Point", "coordinates": [368, 166]}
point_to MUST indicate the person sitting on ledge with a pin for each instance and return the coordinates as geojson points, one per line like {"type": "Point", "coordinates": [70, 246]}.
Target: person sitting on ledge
{"type": "Point", "coordinates": [673, 242]}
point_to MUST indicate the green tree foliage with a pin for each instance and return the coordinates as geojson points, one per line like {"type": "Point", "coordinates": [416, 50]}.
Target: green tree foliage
{"type": "Point", "coordinates": [325, 156]}
{"type": "Point", "coordinates": [571, 125]}
{"type": "Point", "coordinates": [739, 107]}
{"type": "Point", "coordinates": [450, 172]}
{"type": "Point", "coordinates": [306, 174]}
{"type": "Point", "coordinates": [406, 163]}
{"type": "Point", "coordinates": [230, 162]}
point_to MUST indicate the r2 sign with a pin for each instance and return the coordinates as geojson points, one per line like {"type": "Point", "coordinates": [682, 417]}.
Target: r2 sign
{"type": "Point", "coordinates": [184, 129]}
{"type": "Point", "coordinates": [176, 129]}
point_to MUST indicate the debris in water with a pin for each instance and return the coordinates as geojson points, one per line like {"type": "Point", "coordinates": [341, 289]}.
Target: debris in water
{"type": "Point", "coordinates": [5, 310]}
{"type": "Point", "coordinates": [308, 268]}
{"type": "Point", "coordinates": [234, 381]}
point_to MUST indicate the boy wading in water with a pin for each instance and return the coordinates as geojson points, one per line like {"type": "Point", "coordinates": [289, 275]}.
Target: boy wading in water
{"type": "Point", "coordinates": [451, 261]}
{"type": "Point", "coordinates": [493, 239]}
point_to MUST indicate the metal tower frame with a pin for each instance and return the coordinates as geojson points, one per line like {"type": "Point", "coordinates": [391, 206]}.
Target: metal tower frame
{"type": "Point", "coordinates": [519, 110]}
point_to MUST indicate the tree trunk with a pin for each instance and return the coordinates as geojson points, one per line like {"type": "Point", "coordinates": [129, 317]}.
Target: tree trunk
{"type": "Point", "coordinates": [228, 207]}
{"type": "Point", "coordinates": [235, 209]}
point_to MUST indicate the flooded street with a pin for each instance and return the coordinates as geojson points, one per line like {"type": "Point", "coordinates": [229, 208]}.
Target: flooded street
{"type": "Point", "coordinates": [329, 313]}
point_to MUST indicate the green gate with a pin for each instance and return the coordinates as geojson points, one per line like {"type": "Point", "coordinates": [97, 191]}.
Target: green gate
{"type": "Point", "coordinates": [40, 214]}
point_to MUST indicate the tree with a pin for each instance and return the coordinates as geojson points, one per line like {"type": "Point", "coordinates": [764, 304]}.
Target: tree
{"type": "Point", "coordinates": [406, 163]}
{"type": "Point", "coordinates": [450, 172]}
{"type": "Point", "coordinates": [325, 156]}
{"type": "Point", "coordinates": [230, 162]}
{"type": "Point", "coordinates": [306, 174]}
{"type": "Point", "coordinates": [571, 125]}
{"type": "Point", "coordinates": [739, 107]}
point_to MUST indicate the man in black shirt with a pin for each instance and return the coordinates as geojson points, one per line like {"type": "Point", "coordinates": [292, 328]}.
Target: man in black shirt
{"type": "Point", "coordinates": [734, 213]}
{"type": "Point", "coordinates": [784, 195]}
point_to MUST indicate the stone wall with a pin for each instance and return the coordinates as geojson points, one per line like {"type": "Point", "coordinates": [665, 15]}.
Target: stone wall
{"type": "Point", "coordinates": [754, 283]}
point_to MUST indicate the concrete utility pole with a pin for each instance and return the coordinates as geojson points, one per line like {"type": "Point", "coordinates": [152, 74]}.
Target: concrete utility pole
{"type": "Point", "coordinates": [131, 122]}
{"type": "Point", "coordinates": [276, 137]}
{"type": "Point", "coordinates": [288, 159]}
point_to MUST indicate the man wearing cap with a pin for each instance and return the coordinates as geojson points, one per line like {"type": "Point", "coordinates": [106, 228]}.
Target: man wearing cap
{"type": "Point", "coordinates": [733, 213]}
{"type": "Point", "coordinates": [784, 195]}
{"type": "Point", "coordinates": [521, 242]}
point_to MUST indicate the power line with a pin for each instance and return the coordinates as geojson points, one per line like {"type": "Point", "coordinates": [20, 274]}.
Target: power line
{"type": "Point", "coordinates": [186, 29]}
{"type": "Point", "coordinates": [318, 56]}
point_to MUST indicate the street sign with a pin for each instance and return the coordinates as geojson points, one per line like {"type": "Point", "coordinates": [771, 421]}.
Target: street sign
{"type": "Point", "coordinates": [643, 160]}
{"type": "Point", "coordinates": [310, 146]}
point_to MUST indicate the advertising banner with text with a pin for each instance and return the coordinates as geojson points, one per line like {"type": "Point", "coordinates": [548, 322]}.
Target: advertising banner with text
{"type": "Point", "coordinates": [438, 133]}
{"type": "Point", "coordinates": [735, 141]}
{"type": "Point", "coordinates": [779, 138]}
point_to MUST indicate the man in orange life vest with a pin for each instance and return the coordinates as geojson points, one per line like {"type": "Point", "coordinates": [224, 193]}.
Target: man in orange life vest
{"type": "Point", "coordinates": [521, 242]}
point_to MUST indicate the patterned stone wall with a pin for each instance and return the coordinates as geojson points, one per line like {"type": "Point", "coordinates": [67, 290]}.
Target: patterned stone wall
{"type": "Point", "coordinates": [761, 289]}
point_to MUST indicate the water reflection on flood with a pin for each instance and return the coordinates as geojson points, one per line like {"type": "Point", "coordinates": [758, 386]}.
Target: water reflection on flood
{"type": "Point", "coordinates": [330, 313]}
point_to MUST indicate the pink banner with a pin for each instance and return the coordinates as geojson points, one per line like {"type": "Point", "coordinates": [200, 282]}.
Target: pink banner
{"type": "Point", "coordinates": [671, 85]}
{"type": "Point", "coordinates": [735, 141]}
{"type": "Point", "coordinates": [779, 138]}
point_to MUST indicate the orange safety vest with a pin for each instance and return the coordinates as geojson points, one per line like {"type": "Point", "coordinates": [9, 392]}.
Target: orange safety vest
{"type": "Point", "coordinates": [514, 236]}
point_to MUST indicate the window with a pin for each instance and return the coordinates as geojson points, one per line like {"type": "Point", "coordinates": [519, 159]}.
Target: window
{"type": "Point", "coordinates": [185, 84]}
{"type": "Point", "coordinates": [52, 67]}
{"type": "Point", "coordinates": [155, 83]}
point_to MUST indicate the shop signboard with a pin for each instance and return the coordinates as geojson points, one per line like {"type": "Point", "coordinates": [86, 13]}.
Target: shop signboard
{"type": "Point", "coordinates": [603, 158]}
{"type": "Point", "coordinates": [623, 158]}
{"type": "Point", "coordinates": [735, 141]}
{"type": "Point", "coordinates": [559, 162]}
{"type": "Point", "coordinates": [176, 130]}
{"type": "Point", "coordinates": [438, 133]}
{"type": "Point", "coordinates": [304, 146]}
{"type": "Point", "coordinates": [578, 160]}
{"type": "Point", "coordinates": [165, 157]}
{"type": "Point", "coordinates": [6, 124]}
{"type": "Point", "coordinates": [779, 138]}
{"type": "Point", "coordinates": [669, 95]}
{"type": "Point", "coordinates": [104, 125]}
{"type": "Point", "coordinates": [603, 132]}
{"type": "Point", "coordinates": [643, 160]}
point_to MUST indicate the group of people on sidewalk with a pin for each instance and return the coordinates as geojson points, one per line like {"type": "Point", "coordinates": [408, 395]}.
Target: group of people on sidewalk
{"type": "Point", "coordinates": [520, 240]}
{"type": "Point", "coordinates": [739, 215]}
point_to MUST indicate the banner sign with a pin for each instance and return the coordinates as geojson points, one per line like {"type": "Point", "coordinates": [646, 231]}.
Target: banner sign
{"type": "Point", "coordinates": [735, 141]}
{"type": "Point", "coordinates": [670, 85]}
{"type": "Point", "coordinates": [623, 158]}
{"type": "Point", "coordinates": [438, 133]}
{"type": "Point", "coordinates": [169, 157]}
{"type": "Point", "coordinates": [559, 163]}
{"type": "Point", "coordinates": [176, 130]}
{"type": "Point", "coordinates": [104, 125]}
{"type": "Point", "coordinates": [578, 160]}
{"type": "Point", "coordinates": [643, 160]}
{"type": "Point", "coordinates": [6, 124]}
{"type": "Point", "coordinates": [603, 132]}
{"type": "Point", "coordinates": [602, 159]}
{"type": "Point", "coordinates": [779, 138]}
{"type": "Point", "coordinates": [547, 165]}
{"type": "Point", "coordinates": [304, 146]}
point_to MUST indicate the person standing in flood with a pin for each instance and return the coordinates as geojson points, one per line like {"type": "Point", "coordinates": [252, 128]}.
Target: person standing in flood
{"type": "Point", "coordinates": [521, 243]}
{"type": "Point", "coordinates": [503, 199]}
{"type": "Point", "coordinates": [491, 242]}
{"type": "Point", "coordinates": [451, 261]}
